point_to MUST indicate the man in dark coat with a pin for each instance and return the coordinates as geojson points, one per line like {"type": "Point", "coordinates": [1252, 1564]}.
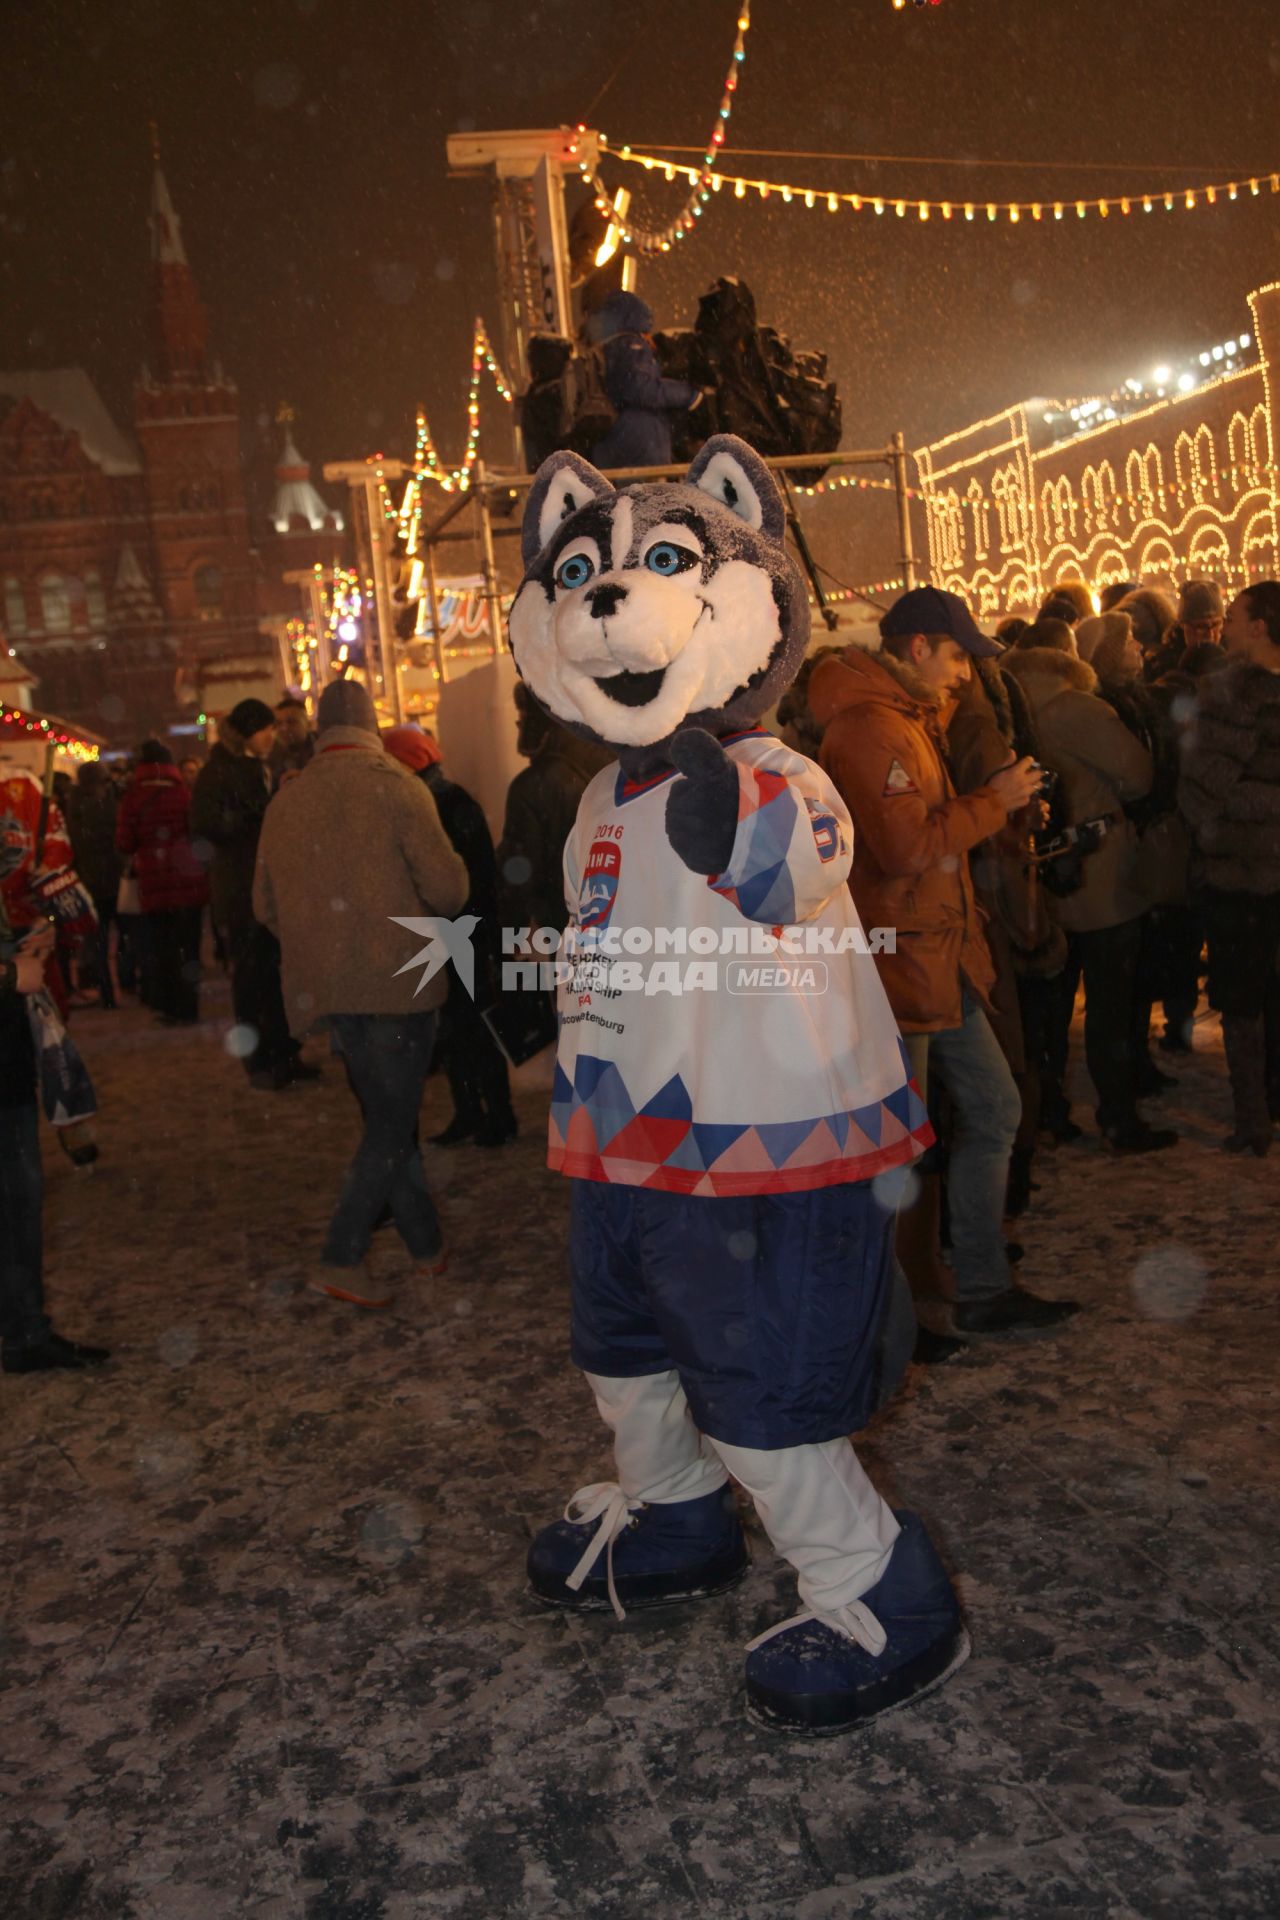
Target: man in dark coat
{"type": "Point", "coordinates": [473, 1064]}
{"type": "Point", "coordinates": [542, 805]}
{"type": "Point", "coordinates": [231, 796]}
{"type": "Point", "coordinates": [294, 742]}
{"type": "Point", "coordinates": [91, 822]}
{"type": "Point", "coordinates": [1229, 794]}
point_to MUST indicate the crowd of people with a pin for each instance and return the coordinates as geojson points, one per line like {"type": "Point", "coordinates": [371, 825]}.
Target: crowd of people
{"type": "Point", "coordinates": [1089, 800]}
{"type": "Point", "coordinates": [249, 857]}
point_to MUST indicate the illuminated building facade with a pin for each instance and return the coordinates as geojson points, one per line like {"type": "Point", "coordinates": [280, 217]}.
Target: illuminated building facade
{"type": "Point", "coordinates": [1166, 480]}
{"type": "Point", "coordinates": [131, 573]}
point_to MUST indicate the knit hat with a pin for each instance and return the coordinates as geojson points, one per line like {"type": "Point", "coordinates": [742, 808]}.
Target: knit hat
{"type": "Point", "coordinates": [1099, 627]}
{"type": "Point", "coordinates": [249, 717]}
{"type": "Point", "coordinates": [1200, 600]}
{"type": "Point", "coordinates": [412, 747]}
{"type": "Point", "coordinates": [344, 703]}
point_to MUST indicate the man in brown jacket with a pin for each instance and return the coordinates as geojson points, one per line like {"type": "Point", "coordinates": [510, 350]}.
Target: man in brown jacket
{"type": "Point", "coordinates": [884, 747]}
{"type": "Point", "coordinates": [348, 847]}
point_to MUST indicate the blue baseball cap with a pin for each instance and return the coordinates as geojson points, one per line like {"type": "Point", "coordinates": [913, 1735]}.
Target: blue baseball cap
{"type": "Point", "coordinates": [930, 610]}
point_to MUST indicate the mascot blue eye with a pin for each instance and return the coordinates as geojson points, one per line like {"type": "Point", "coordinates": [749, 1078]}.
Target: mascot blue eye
{"type": "Point", "coordinates": [574, 572]}
{"type": "Point", "coordinates": [666, 557]}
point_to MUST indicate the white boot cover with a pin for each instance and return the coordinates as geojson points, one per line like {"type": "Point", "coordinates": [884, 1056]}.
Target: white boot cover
{"type": "Point", "coordinates": [824, 1516]}
{"type": "Point", "coordinates": [662, 1459]}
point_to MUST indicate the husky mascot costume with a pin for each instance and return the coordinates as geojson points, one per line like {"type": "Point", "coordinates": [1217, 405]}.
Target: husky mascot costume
{"type": "Point", "coordinates": [730, 1254]}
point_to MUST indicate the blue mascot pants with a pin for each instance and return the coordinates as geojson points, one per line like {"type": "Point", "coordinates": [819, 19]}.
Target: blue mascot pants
{"type": "Point", "coordinates": [767, 1305]}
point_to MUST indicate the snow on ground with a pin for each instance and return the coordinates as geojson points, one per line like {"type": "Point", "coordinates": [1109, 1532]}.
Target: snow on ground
{"type": "Point", "coordinates": [266, 1649]}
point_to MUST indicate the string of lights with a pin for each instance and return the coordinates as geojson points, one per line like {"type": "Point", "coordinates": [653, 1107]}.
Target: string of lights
{"type": "Point", "coordinates": [24, 722]}
{"type": "Point", "coordinates": [1255, 475]}
{"type": "Point", "coordinates": [427, 464]}
{"type": "Point", "coordinates": [1167, 199]}
{"type": "Point", "coordinates": [703, 179]}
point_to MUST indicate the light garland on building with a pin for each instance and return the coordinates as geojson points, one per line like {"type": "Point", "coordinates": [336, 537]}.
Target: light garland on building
{"type": "Point", "coordinates": [703, 179]}
{"type": "Point", "coordinates": [1047, 208]}
{"type": "Point", "coordinates": [42, 729]}
{"type": "Point", "coordinates": [1182, 487]}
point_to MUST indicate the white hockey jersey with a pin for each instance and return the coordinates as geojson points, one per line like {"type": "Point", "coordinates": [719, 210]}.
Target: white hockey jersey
{"type": "Point", "coordinates": [731, 1035]}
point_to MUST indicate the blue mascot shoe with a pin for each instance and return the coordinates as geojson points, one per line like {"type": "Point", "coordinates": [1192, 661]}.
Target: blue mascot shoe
{"type": "Point", "coordinates": [812, 1675]}
{"type": "Point", "coordinates": [610, 1551]}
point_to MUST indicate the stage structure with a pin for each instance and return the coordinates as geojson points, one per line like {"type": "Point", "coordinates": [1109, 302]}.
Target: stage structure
{"type": "Point", "coordinates": [528, 169]}
{"type": "Point", "coordinates": [1173, 476]}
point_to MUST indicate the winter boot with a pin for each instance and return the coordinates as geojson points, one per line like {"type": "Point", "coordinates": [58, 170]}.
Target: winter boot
{"type": "Point", "coordinates": [824, 1673]}
{"type": "Point", "coordinates": [665, 1530]}
{"type": "Point", "coordinates": [610, 1551]}
{"type": "Point", "coordinates": [1244, 1041]}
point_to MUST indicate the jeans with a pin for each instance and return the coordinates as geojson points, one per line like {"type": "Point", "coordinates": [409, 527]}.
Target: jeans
{"type": "Point", "coordinates": [22, 1317]}
{"type": "Point", "coordinates": [173, 946]}
{"type": "Point", "coordinates": [987, 1107]}
{"type": "Point", "coordinates": [387, 1057]}
{"type": "Point", "coordinates": [1109, 958]}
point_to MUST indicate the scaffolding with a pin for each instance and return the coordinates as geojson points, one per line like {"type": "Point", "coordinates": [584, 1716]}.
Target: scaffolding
{"type": "Point", "coordinates": [487, 485]}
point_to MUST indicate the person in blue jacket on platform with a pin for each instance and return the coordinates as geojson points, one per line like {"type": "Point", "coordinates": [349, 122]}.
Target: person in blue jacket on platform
{"type": "Point", "coordinates": [641, 434]}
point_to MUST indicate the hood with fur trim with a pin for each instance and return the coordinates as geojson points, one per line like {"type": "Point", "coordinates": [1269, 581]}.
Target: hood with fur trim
{"type": "Point", "coordinates": [859, 678]}
{"type": "Point", "coordinates": [1045, 672]}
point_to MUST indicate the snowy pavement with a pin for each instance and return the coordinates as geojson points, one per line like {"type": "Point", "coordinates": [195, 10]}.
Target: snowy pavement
{"type": "Point", "coordinates": [265, 1649]}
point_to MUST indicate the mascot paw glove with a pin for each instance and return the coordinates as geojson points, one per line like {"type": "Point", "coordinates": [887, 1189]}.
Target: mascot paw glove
{"type": "Point", "coordinates": [702, 808]}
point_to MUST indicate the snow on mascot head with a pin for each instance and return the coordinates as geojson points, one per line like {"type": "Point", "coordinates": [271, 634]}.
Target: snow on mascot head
{"type": "Point", "coordinates": [650, 609]}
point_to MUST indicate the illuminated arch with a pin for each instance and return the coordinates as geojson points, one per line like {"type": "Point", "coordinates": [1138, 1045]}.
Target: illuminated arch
{"type": "Point", "coordinates": [1098, 489]}
{"type": "Point", "coordinates": [1158, 561]}
{"type": "Point", "coordinates": [1205, 462]}
{"type": "Point", "coordinates": [1258, 547]}
{"type": "Point", "coordinates": [1018, 593]}
{"type": "Point", "coordinates": [1109, 567]}
{"type": "Point", "coordinates": [1006, 491]}
{"type": "Point", "coordinates": [1239, 451]}
{"type": "Point", "coordinates": [981, 520]}
{"type": "Point", "coordinates": [1207, 550]}
{"type": "Point", "coordinates": [1260, 436]}
{"type": "Point", "coordinates": [1184, 463]}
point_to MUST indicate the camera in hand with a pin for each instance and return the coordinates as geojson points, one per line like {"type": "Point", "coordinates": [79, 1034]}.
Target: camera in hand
{"type": "Point", "coordinates": [1060, 855]}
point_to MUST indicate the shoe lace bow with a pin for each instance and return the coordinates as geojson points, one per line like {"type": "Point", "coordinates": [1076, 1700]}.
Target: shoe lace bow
{"type": "Point", "coordinates": [604, 1501]}
{"type": "Point", "coordinates": [854, 1621]}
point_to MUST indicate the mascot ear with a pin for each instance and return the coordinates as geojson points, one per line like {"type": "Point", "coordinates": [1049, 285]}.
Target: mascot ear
{"type": "Point", "coordinates": [563, 483]}
{"type": "Point", "coordinates": [734, 474]}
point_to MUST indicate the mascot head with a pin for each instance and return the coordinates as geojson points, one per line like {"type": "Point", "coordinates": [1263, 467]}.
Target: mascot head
{"type": "Point", "coordinates": [651, 608]}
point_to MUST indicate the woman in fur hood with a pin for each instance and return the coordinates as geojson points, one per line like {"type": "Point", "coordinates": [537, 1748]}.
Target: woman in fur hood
{"type": "Point", "coordinates": [1103, 769]}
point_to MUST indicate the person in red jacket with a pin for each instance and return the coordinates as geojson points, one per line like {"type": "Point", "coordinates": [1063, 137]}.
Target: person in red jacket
{"type": "Point", "coordinates": [152, 829]}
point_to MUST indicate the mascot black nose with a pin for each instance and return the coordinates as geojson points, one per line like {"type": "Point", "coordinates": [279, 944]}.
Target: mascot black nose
{"type": "Point", "coordinates": [605, 600]}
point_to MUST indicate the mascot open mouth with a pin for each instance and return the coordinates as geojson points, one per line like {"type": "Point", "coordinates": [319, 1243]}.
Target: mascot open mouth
{"type": "Point", "coordinates": [633, 689]}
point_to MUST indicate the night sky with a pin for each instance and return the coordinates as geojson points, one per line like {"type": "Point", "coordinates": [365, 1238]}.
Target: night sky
{"type": "Point", "coordinates": [304, 146]}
